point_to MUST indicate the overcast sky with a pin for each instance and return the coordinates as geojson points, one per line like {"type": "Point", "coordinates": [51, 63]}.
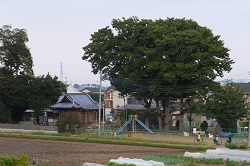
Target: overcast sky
{"type": "Point", "coordinates": [58, 29]}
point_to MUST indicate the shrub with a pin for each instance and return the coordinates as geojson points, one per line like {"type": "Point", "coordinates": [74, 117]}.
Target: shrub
{"type": "Point", "coordinates": [231, 145]}
{"type": "Point", "coordinates": [236, 146]}
{"type": "Point", "coordinates": [14, 161]}
{"type": "Point", "coordinates": [243, 146]}
{"type": "Point", "coordinates": [5, 161]}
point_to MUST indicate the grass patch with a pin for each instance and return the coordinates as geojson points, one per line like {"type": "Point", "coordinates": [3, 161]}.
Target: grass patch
{"type": "Point", "coordinates": [210, 161]}
{"type": "Point", "coordinates": [104, 140]}
{"type": "Point", "coordinates": [169, 159]}
{"type": "Point", "coordinates": [189, 161]}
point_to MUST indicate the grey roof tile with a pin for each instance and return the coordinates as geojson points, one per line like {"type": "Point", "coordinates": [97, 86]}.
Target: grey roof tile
{"type": "Point", "coordinates": [75, 100]}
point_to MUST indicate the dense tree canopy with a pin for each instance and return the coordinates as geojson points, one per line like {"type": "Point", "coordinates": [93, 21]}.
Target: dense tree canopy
{"type": "Point", "coordinates": [20, 89]}
{"type": "Point", "coordinates": [227, 104]}
{"type": "Point", "coordinates": [15, 56]}
{"type": "Point", "coordinates": [158, 58]}
{"type": "Point", "coordinates": [15, 71]}
{"type": "Point", "coordinates": [44, 91]}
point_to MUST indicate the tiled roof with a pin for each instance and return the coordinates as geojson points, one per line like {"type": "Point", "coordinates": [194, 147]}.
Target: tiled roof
{"type": "Point", "coordinates": [136, 107]}
{"type": "Point", "coordinates": [75, 100]}
{"type": "Point", "coordinates": [109, 88]}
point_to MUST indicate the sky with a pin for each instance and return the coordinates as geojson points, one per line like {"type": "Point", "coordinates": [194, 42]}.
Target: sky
{"type": "Point", "coordinates": [58, 29]}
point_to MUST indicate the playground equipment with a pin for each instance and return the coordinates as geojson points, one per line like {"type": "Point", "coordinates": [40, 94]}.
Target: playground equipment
{"type": "Point", "coordinates": [133, 119]}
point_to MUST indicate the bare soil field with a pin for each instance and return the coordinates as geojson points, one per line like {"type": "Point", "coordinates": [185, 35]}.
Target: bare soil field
{"type": "Point", "coordinates": [62, 153]}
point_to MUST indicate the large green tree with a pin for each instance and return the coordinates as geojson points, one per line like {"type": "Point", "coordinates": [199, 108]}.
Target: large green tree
{"type": "Point", "coordinates": [15, 71]}
{"type": "Point", "coordinates": [15, 56]}
{"type": "Point", "coordinates": [44, 91]}
{"type": "Point", "coordinates": [227, 104]}
{"type": "Point", "coordinates": [158, 58]}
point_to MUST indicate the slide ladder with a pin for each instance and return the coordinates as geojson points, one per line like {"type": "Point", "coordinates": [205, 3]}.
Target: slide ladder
{"type": "Point", "coordinates": [143, 125]}
{"type": "Point", "coordinates": [123, 126]}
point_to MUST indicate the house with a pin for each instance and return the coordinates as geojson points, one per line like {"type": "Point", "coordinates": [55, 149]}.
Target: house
{"type": "Point", "coordinates": [79, 108]}
{"type": "Point", "coordinates": [113, 99]}
{"type": "Point", "coordinates": [71, 89]}
{"type": "Point", "coordinates": [91, 90]}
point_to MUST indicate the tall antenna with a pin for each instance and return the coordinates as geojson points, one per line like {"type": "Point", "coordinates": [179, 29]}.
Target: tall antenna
{"type": "Point", "coordinates": [61, 73]}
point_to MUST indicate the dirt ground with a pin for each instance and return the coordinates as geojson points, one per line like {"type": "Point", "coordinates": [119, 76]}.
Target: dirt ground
{"type": "Point", "coordinates": [61, 153]}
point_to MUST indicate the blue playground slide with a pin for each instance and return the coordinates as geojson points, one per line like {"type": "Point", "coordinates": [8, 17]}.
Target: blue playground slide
{"type": "Point", "coordinates": [123, 126]}
{"type": "Point", "coordinates": [143, 125]}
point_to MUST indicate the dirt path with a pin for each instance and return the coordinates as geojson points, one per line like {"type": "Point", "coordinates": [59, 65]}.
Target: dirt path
{"type": "Point", "coordinates": [61, 153]}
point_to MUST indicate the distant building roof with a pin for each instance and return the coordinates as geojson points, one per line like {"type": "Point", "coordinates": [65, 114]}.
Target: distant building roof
{"type": "Point", "coordinates": [75, 101]}
{"type": "Point", "coordinates": [94, 90]}
{"type": "Point", "coordinates": [109, 88]}
{"type": "Point", "coordinates": [136, 107]}
{"type": "Point", "coordinates": [244, 86]}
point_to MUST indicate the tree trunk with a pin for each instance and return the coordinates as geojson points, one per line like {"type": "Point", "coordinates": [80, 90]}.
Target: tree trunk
{"type": "Point", "coordinates": [147, 122]}
{"type": "Point", "coordinates": [190, 121]}
{"type": "Point", "coordinates": [181, 121]}
{"type": "Point", "coordinates": [167, 118]}
{"type": "Point", "coordinates": [181, 129]}
{"type": "Point", "coordinates": [159, 115]}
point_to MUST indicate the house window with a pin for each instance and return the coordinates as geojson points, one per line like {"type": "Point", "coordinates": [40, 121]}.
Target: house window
{"type": "Point", "coordinates": [111, 96]}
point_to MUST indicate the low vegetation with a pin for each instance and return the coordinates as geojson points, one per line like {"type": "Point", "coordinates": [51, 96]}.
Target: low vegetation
{"type": "Point", "coordinates": [236, 145]}
{"type": "Point", "coordinates": [166, 159]}
{"type": "Point", "coordinates": [106, 140]}
{"type": "Point", "coordinates": [14, 161]}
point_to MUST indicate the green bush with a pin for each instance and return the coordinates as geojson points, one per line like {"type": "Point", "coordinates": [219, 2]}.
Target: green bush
{"type": "Point", "coordinates": [236, 146]}
{"type": "Point", "coordinates": [5, 161]}
{"type": "Point", "coordinates": [231, 145]}
{"type": "Point", "coordinates": [13, 161]}
{"type": "Point", "coordinates": [243, 146]}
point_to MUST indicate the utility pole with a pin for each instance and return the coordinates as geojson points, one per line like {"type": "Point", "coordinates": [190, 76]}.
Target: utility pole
{"type": "Point", "coordinates": [100, 104]}
{"type": "Point", "coordinates": [248, 142]}
{"type": "Point", "coordinates": [61, 73]}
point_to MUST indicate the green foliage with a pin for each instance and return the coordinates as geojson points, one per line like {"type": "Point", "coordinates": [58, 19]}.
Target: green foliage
{"type": "Point", "coordinates": [45, 90]}
{"type": "Point", "coordinates": [169, 159]}
{"type": "Point", "coordinates": [15, 71]}
{"type": "Point", "coordinates": [231, 145]}
{"type": "Point", "coordinates": [158, 58]}
{"type": "Point", "coordinates": [15, 56]}
{"type": "Point", "coordinates": [210, 161]}
{"type": "Point", "coordinates": [243, 124]}
{"type": "Point", "coordinates": [4, 113]}
{"type": "Point", "coordinates": [231, 163]}
{"type": "Point", "coordinates": [116, 164]}
{"type": "Point", "coordinates": [126, 113]}
{"type": "Point", "coordinates": [204, 126]}
{"type": "Point", "coordinates": [227, 104]}
{"type": "Point", "coordinates": [236, 146]}
{"type": "Point", "coordinates": [14, 161]}
{"type": "Point", "coordinates": [95, 96]}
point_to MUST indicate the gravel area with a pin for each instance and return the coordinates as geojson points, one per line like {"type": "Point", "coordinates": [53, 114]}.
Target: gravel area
{"type": "Point", "coordinates": [62, 153]}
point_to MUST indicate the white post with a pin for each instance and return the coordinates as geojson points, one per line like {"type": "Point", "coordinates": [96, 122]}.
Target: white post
{"type": "Point", "coordinates": [100, 102]}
